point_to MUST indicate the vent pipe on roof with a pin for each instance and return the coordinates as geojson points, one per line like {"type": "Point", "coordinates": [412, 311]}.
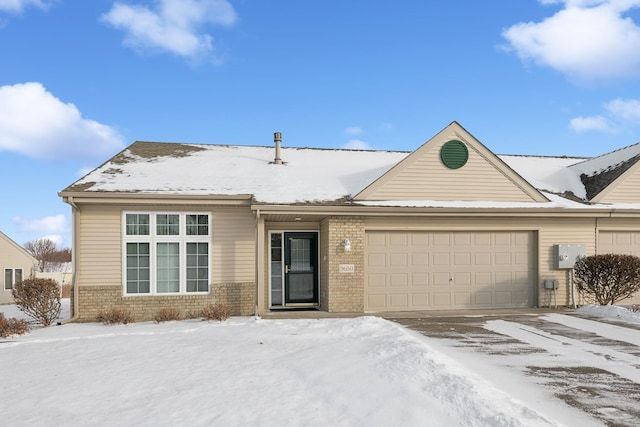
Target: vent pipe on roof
{"type": "Point", "coordinates": [277, 138]}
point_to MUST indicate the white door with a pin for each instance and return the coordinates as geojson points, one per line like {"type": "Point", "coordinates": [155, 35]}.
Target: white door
{"type": "Point", "coordinates": [426, 270]}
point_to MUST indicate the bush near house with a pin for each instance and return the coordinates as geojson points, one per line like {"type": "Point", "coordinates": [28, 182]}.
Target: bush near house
{"type": "Point", "coordinates": [608, 278]}
{"type": "Point", "coordinates": [216, 312]}
{"type": "Point", "coordinates": [39, 299]}
{"type": "Point", "coordinates": [114, 316]}
{"type": "Point", "coordinates": [12, 326]}
{"type": "Point", "coordinates": [167, 314]}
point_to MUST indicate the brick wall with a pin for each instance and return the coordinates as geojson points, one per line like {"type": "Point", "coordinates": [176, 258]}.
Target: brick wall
{"type": "Point", "coordinates": [344, 291]}
{"type": "Point", "coordinates": [239, 296]}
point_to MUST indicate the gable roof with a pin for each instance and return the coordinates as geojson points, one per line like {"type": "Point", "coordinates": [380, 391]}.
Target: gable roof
{"type": "Point", "coordinates": [601, 175]}
{"type": "Point", "coordinates": [423, 175]}
{"type": "Point", "coordinates": [366, 177]}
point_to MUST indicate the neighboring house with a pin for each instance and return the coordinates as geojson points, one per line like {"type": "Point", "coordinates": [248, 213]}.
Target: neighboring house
{"type": "Point", "coordinates": [448, 226]}
{"type": "Point", "coordinates": [16, 264]}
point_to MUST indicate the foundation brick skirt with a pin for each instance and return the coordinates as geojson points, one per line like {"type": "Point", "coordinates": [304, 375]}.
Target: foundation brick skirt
{"type": "Point", "coordinates": [92, 299]}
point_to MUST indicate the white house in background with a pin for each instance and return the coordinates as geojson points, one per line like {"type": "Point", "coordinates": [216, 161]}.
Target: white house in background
{"type": "Point", "coordinates": [450, 225]}
{"type": "Point", "coordinates": [16, 264]}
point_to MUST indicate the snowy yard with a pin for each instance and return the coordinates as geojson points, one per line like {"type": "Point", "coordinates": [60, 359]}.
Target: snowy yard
{"type": "Point", "coordinates": [340, 372]}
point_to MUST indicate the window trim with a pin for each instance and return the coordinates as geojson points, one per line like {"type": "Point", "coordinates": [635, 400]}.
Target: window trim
{"type": "Point", "coordinates": [182, 238]}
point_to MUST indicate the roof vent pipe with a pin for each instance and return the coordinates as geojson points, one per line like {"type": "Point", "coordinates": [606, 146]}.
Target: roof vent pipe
{"type": "Point", "coordinates": [277, 138]}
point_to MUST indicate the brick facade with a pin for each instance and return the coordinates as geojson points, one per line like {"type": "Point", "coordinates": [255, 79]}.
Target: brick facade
{"type": "Point", "coordinates": [343, 291]}
{"type": "Point", "coordinates": [239, 296]}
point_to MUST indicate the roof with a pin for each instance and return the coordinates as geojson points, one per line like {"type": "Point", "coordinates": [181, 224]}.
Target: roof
{"type": "Point", "coordinates": [312, 175]}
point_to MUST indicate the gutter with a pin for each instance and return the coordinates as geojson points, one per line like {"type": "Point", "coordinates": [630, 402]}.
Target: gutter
{"type": "Point", "coordinates": [74, 258]}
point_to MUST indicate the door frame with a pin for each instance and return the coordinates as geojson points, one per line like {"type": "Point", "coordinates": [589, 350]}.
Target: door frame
{"type": "Point", "coordinates": [281, 271]}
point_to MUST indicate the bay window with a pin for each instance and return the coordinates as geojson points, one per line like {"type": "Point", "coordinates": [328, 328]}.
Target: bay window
{"type": "Point", "coordinates": [166, 253]}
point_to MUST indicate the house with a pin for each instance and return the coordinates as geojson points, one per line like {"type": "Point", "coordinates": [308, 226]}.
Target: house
{"type": "Point", "coordinates": [16, 264]}
{"type": "Point", "coordinates": [450, 225]}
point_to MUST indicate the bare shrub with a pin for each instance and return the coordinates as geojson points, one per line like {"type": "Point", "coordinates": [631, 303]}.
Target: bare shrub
{"type": "Point", "coordinates": [39, 299]}
{"type": "Point", "coordinates": [114, 316]}
{"type": "Point", "coordinates": [635, 308]}
{"type": "Point", "coordinates": [216, 312]}
{"type": "Point", "coordinates": [608, 278]}
{"type": "Point", "coordinates": [167, 314]}
{"type": "Point", "coordinates": [12, 326]}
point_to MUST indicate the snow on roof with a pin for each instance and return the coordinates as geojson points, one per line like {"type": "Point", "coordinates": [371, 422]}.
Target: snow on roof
{"type": "Point", "coordinates": [308, 174]}
{"type": "Point", "coordinates": [596, 165]}
{"type": "Point", "coordinates": [551, 174]}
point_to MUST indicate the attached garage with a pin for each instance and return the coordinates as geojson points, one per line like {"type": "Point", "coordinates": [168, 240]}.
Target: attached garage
{"type": "Point", "coordinates": [620, 242]}
{"type": "Point", "coordinates": [433, 270]}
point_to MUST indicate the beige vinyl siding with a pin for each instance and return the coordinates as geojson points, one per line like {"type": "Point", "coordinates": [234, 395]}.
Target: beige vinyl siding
{"type": "Point", "coordinates": [234, 250]}
{"type": "Point", "coordinates": [12, 256]}
{"type": "Point", "coordinates": [555, 231]}
{"type": "Point", "coordinates": [99, 246]}
{"type": "Point", "coordinates": [625, 192]}
{"type": "Point", "coordinates": [427, 178]}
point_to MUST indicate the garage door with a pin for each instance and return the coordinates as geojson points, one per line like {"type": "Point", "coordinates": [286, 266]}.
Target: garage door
{"type": "Point", "coordinates": [620, 242]}
{"type": "Point", "coordinates": [444, 270]}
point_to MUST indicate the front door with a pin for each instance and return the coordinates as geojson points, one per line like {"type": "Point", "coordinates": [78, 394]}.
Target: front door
{"type": "Point", "coordinates": [294, 269]}
{"type": "Point", "coordinates": [300, 268]}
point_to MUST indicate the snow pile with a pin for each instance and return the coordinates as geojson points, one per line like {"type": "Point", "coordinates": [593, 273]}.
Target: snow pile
{"type": "Point", "coordinates": [611, 312]}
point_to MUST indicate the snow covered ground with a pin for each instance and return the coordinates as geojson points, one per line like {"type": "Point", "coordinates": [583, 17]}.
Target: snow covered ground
{"type": "Point", "coordinates": [249, 371]}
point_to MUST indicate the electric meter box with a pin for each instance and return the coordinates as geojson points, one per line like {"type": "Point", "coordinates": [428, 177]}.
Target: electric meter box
{"type": "Point", "coordinates": [566, 256]}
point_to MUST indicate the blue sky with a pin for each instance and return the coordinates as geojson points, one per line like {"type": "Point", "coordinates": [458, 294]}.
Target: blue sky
{"type": "Point", "coordinates": [80, 80]}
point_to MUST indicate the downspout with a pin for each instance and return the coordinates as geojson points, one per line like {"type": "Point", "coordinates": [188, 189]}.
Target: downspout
{"type": "Point", "coordinates": [257, 252]}
{"type": "Point", "coordinates": [74, 259]}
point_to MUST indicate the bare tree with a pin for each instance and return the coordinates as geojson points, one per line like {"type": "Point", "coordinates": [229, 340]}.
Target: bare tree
{"type": "Point", "coordinates": [42, 250]}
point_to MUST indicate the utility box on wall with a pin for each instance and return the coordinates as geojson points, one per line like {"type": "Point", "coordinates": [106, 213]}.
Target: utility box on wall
{"type": "Point", "coordinates": [566, 256]}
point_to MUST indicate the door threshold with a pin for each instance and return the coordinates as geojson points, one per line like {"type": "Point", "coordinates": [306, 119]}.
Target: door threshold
{"type": "Point", "coordinates": [295, 308]}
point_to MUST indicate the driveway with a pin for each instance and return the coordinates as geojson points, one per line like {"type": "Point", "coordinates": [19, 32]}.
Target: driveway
{"type": "Point", "coordinates": [591, 364]}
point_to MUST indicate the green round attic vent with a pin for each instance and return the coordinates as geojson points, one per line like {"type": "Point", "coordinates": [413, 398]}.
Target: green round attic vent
{"type": "Point", "coordinates": [454, 154]}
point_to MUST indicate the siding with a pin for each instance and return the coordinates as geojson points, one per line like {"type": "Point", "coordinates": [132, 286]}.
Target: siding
{"type": "Point", "coordinates": [12, 256]}
{"type": "Point", "coordinates": [234, 249]}
{"type": "Point", "coordinates": [428, 179]}
{"type": "Point", "coordinates": [626, 191]}
{"type": "Point", "coordinates": [99, 246]}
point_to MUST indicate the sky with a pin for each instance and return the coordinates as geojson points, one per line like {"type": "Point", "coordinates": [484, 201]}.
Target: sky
{"type": "Point", "coordinates": [364, 371]}
{"type": "Point", "coordinates": [81, 80]}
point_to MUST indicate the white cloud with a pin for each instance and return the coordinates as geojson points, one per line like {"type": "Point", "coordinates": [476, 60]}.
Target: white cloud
{"type": "Point", "coordinates": [357, 144]}
{"type": "Point", "coordinates": [618, 115]}
{"type": "Point", "coordinates": [171, 25]}
{"type": "Point", "coordinates": [35, 123]}
{"type": "Point", "coordinates": [48, 225]}
{"type": "Point", "coordinates": [627, 110]}
{"type": "Point", "coordinates": [17, 6]}
{"type": "Point", "coordinates": [353, 130]}
{"type": "Point", "coordinates": [587, 40]}
{"type": "Point", "coordinates": [593, 123]}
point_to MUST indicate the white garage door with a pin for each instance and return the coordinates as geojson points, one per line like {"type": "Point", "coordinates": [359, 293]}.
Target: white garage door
{"type": "Point", "coordinates": [444, 270]}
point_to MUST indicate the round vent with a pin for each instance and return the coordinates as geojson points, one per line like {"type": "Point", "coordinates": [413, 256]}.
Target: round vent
{"type": "Point", "coordinates": [454, 154]}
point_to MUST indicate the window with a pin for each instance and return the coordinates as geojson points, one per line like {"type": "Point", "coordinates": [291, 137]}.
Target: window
{"type": "Point", "coordinates": [11, 277]}
{"type": "Point", "coordinates": [166, 253]}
